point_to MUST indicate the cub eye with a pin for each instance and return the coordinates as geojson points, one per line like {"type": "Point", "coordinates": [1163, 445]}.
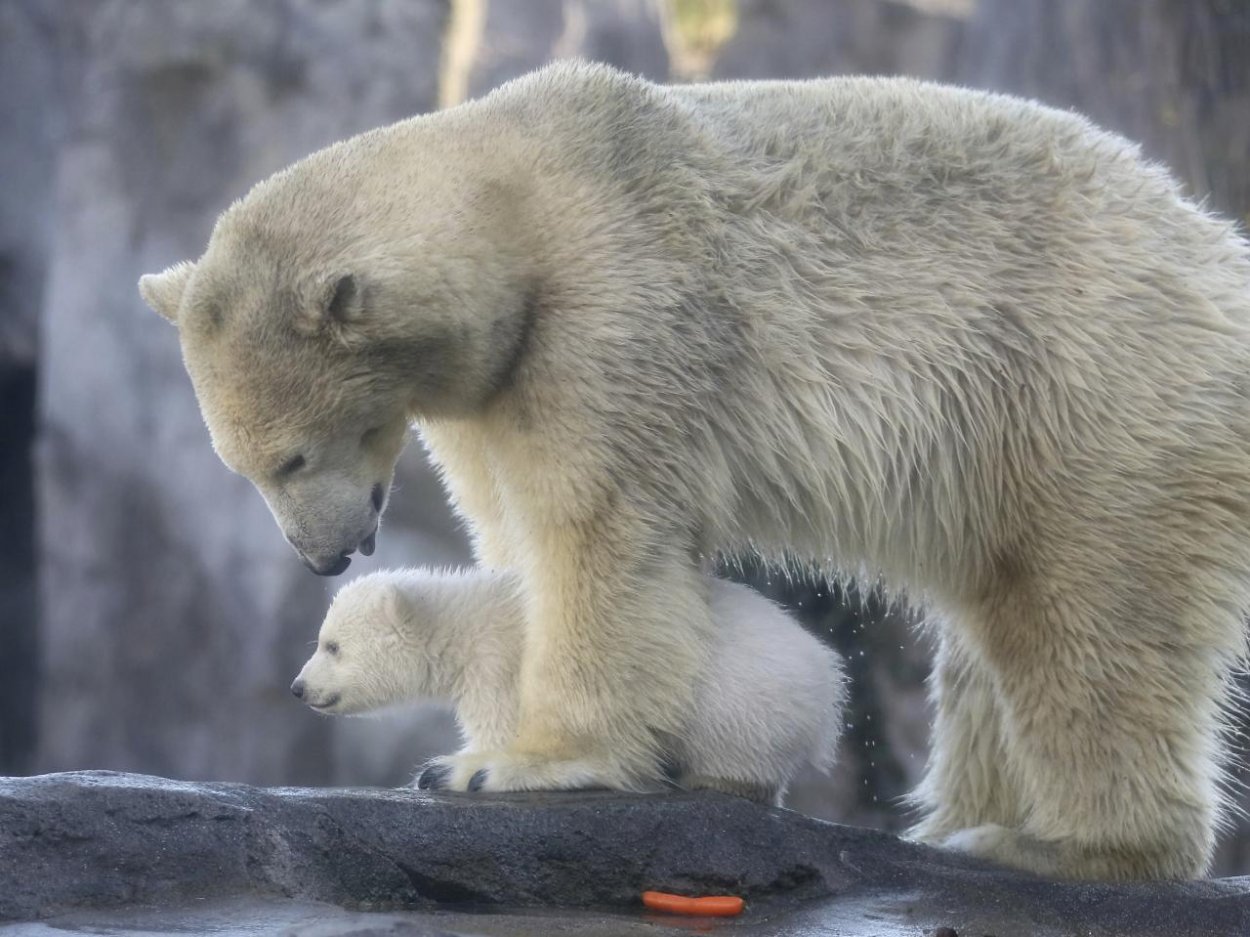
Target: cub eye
{"type": "Point", "coordinates": [291, 466]}
{"type": "Point", "coordinates": [369, 435]}
{"type": "Point", "coordinates": [332, 647]}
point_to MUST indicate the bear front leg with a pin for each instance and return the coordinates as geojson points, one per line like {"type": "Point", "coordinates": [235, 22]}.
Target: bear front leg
{"type": "Point", "coordinates": [966, 783]}
{"type": "Point", "coordinates": [617, 628]}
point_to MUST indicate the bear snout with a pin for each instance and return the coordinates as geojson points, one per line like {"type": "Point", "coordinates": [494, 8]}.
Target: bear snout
{"type": "Point", "coordinates": [333, 568]}
{"type": "Point", "coordinates": [366, 546]}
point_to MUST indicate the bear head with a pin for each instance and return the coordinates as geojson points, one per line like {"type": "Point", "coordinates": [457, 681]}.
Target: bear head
{"type": "Point", "coordinates": [323, 318]}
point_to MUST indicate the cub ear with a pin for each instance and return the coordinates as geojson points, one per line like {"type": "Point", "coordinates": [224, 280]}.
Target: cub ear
{"type": "Point", "coordinates": [163, 291]}
{"type": "Point", "coordinates": [392, 602]}
{"type": "Point", "coordinates": [335, 302]}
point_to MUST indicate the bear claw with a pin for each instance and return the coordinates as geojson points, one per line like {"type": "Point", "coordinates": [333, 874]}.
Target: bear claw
{"type": "Point", "coordinates": [433, 778]}
{"type": "Point", "coordinates": [478, 779]}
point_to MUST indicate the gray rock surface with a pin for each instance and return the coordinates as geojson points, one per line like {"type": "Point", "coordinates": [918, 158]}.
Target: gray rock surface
{"type": "Point", "coordinates": [98, 840]}
{"type": "Point", "coordinates": [29, 109]}
{"type": "Point", "coordinates": [817, 38]}
{"type": "Point", "coordinates": [29, 100]}
{"type": "Point", "coordinates": [511, 38]}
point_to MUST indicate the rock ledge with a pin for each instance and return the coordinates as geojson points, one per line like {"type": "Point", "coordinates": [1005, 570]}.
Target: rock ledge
{"type": "Point", "coordinates": [99, 840]}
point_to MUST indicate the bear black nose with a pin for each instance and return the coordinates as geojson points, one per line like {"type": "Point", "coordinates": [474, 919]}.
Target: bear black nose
{"type": "Point", "coordinates": [333, 569]}
{"type": "Point", "coordinates": [298, 688]}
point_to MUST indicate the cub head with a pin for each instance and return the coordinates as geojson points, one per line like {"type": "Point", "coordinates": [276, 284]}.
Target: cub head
{"type": "Point", "coordinates": [359, 664]}
{"type": "Point", "coordinates": [313, 337]}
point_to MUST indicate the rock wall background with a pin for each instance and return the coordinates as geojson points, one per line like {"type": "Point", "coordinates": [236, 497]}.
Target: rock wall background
{"type": "Point", "coordinates": [152, 615]}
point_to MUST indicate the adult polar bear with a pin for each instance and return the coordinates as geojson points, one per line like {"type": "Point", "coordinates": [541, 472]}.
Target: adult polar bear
{"type": "Point", "coordinates": [961, 340]}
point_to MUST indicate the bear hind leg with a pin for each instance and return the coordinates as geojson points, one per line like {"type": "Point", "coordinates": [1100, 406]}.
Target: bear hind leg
{"type": "Point", "coordinates": [966, 783]}
{"type": "Point", "coordinates": [1111, 727]}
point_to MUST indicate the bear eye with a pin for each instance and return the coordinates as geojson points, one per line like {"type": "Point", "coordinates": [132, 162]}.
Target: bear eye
{"type": "Point", "coordinates": [332, 647]}
{"type": "Point", "coordinates": [369, 435]}
{"type": "Point", "coordinates": [291, 466]}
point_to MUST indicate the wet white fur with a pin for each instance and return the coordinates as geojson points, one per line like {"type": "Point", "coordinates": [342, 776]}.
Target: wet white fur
{"type": "Point", "coordinates": [767, 701]}
{"type": "Point", "coordinates": [963, 342]}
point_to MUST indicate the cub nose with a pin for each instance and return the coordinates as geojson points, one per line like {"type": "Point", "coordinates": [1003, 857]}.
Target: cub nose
{"type": "Point", "coordinates": [298, 688]}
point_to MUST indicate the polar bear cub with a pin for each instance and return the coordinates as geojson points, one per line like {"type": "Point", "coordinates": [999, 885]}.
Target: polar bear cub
{"type": "Point", "coordinates": [768, 701]}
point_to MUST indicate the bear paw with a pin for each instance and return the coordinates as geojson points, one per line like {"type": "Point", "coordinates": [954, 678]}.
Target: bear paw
{"type": "Point", "coordinates": [760, 791]}
{"type": "Point", "coordinates": [1172, 857]}
{"type": "Point", "coordinates": [1009, 847]}
{"type": "Point", "coordinates": [507, 771]}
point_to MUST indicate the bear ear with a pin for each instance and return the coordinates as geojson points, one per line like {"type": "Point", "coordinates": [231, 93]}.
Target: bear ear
{"type": "Point", "coordinates": [163, 291]}
{"type": "Point", "coordinates": [336, 302]}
